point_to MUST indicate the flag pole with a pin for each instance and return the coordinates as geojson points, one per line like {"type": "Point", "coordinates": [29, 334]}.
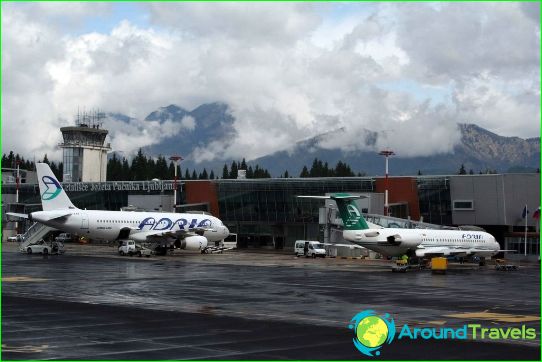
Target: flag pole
{"type": "Point", "coordinates": [525, 249]}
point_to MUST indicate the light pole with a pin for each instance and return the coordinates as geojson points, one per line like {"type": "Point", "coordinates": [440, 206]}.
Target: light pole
{"type": "Point", "coordinates": [17, 180]}
{"type": "Point", "coordinates": [386, 153]}
{"type": "Point", "coordinates": [176, 159]}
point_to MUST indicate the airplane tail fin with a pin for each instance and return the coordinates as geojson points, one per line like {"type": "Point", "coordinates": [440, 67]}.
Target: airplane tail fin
{"type": "Point", "coordinates": [348, 210]}
{"type": "Point", "coordinates": [53, 196]}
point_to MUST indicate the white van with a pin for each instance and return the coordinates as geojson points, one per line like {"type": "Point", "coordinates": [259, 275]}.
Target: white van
{"type": "Point", "coordinates": [127, 247]}
{"type": "Point", "coordinates": [309, 248]}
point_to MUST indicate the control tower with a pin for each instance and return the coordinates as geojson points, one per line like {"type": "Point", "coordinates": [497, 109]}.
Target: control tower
{"type": "Point", "coordinates": [84, 149]}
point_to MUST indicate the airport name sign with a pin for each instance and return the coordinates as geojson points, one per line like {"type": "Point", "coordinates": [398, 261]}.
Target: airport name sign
{"type": "Point", "coordinates": [119, 186]}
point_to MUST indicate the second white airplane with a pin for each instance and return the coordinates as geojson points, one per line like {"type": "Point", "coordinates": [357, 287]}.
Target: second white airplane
{"type": "Point", "coordinates": [418, 242]}
{"type": "Point", "coordinates": [165, 230]}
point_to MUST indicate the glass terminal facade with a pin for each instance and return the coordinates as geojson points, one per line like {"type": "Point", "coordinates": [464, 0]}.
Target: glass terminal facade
{"type": "Point", "coordinates": [434, 199]}
{"type": "Point", "coordinates": [267, 212]}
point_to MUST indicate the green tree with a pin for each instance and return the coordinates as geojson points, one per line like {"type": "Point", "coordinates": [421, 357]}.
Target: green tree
{"type": "Point", "coordinates": [233, 170]}
{"type": "Point", "coordinates": [225, 173]}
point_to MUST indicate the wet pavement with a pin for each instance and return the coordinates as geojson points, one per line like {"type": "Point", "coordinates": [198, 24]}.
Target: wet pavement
{"type": "Point", "coordinates": [94, 305]}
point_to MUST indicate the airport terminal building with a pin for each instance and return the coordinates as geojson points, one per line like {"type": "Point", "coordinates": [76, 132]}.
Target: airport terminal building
{"type": "Point", "coordinates": [266, 213]}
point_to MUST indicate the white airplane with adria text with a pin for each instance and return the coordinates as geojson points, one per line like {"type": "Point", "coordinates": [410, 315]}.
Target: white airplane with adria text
{"type": "Point", "coordinates": [415, 242]}
{"type": "Point", "coordinates": [188, 231]}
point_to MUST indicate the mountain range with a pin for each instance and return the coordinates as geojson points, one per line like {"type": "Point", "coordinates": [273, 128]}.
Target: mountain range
{"type": "Point", "coordinates": [478, 149]}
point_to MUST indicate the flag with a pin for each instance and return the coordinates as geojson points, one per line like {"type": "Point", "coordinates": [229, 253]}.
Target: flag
{"type": "Point", "coordinates": [536, 213]}
{"type": "Point", "coordinates": [525, 212]}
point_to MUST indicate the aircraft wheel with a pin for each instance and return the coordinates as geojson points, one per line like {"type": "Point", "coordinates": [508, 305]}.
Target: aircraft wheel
{"type": "Point", "coordinates": [45, 251]}
{"type": "Point", "coordinates": [29, 251]}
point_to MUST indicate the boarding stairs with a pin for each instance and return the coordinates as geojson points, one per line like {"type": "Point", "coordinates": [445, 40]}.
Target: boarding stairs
{"type": "Point", "coordinates": [34, 233]}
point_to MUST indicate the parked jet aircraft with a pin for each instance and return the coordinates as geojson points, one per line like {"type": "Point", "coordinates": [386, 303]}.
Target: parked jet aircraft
{"type": "Point", "coordinates": [188, 231]}
{"type": "Point", "coordinates": [418, 242]}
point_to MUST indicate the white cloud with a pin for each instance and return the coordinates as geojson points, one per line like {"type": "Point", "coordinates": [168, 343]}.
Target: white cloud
{"type": "Point", "coordinates": [287, 71]}
{"type": "Point", "coordinates": [188, 123]}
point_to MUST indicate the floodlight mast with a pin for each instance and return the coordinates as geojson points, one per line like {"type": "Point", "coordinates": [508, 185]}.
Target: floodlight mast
{"type": "Point", "coordinates": [176, 159]}
{"type": "Point", "coordinates": [386, 153]}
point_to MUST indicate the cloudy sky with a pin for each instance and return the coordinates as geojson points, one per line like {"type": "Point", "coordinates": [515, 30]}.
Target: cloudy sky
{"type": "Point", "coordinates": [288, 71]}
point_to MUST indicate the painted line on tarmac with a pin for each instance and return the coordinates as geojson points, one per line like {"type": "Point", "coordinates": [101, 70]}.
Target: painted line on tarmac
{"type": "Point", "coordinates": [498, 317]}
{"type": "Point", "coordinates": [24, 349]}
{"type": "Point", "coordinates": [16, 279]}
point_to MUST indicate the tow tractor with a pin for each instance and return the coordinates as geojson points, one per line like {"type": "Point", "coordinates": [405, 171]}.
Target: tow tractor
{"type": "Point", "coordinates": [401, 266]}
{"type": "Point", "coordinates": [129, 247]}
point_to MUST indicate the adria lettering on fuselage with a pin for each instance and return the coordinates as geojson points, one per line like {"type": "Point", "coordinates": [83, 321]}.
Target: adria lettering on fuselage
{"type": "Point", "coordinates": [164, 223]}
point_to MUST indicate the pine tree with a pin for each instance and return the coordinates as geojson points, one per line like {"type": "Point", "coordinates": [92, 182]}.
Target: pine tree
{"type": "Point", "coordinates": [304, 172]}
{"type": "Point", "coordinates": [212, 175]}
{"type": "Point", "coordinates": [225, 173]}
{"type": "Point", "coordinates": [162, 170]}
{"type": "Point", "coordinates": [126, 170]}
{"type": "Point", "coordinates": [233, 170]}
{"type": "Point", "coordinates": [170, 171]}
{"type": "Point", "coordinates": [462, 170]}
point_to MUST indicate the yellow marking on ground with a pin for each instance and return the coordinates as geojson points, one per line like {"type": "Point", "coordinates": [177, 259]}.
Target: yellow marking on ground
{"type": "Point", "coordinates": [499, 317]}
{"type": "Point", "coordinates": [23, 279]}
{"type": "Point", "coordinates": [24, 349]}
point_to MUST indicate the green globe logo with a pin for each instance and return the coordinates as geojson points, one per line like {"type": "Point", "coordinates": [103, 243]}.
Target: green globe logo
{"type": "Point", "coordinates": [372, 331]}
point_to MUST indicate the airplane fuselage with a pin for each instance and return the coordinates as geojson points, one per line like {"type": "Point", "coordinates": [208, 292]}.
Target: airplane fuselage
{"type": "Point", "coordinates": [108, 225]}
{"type": "Point", "coordinates": [395, 242]}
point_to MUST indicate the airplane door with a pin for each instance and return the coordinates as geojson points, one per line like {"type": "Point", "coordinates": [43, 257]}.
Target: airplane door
{"type": "Point", "coordinates": [84, 222]}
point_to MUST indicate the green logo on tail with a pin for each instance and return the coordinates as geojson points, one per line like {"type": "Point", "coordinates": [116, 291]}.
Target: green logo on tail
{"type": "Point", "coordinates": [350, 214]}
{"type": "Point", "coordinates": [50, 192]}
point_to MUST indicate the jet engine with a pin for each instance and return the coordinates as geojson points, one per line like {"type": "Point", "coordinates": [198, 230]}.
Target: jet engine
{"type": "Point", "coordinates": [194, 243]}
{"type": "Point", "coordinates": [398, 240]}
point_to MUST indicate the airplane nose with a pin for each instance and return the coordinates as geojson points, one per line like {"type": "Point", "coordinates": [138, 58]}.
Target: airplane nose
{"type": "Point", "coordinates": [225, 231]}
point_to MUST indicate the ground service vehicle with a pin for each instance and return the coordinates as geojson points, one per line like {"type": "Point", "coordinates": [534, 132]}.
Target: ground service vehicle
{"type": "Point", "coordinates": [127, 247]}
{"type": "Point", "coordinates": [42, 247]}
{"type": "Point", "coordinates": [64, 237]}
{"type": "Point", "coordinates": [16, 238]}
{"type": "Point", "coordinates": [143, 251]}
{"type": "Point", "coordinates": [309, 248]}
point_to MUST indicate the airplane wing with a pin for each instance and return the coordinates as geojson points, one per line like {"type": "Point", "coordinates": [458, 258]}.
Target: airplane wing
{"type": "Point", "coordinates": [22, 216]}
{"type": "Point", "coordinates": [51, 215]}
